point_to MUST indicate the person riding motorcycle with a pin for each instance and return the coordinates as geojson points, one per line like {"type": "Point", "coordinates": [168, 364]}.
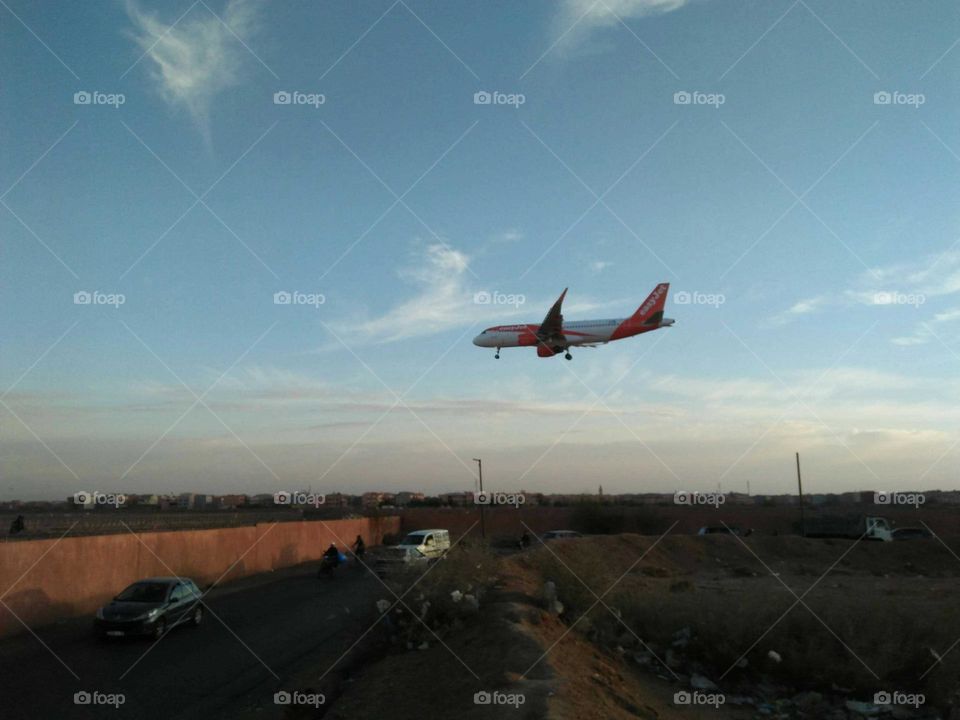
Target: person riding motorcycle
{"type": "Point", "coordinates": [331, 558]}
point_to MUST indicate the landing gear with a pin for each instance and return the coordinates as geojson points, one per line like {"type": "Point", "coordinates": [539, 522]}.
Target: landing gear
{"type": "Point", "coordinates": [497, 356]}
{"type": "Point", "coordinates": [568, 356]}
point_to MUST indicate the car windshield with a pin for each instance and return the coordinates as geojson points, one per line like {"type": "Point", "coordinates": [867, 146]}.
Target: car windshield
{"type": "Point", "coordinates": [145, 592]}
{"type": "Point", "coordinates": [413, 539]}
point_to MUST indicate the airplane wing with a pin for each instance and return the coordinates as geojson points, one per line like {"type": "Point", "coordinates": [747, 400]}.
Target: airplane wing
{"type": "Point", "coordinates": [551, 329]}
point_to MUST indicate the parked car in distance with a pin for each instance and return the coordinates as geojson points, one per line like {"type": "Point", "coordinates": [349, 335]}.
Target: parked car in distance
{"type": "Point", "coordinates": [150, 607]}
{"type": "Point", "coordinates": [560, 535]}
{"type": "Point", "coordinates": [912, 533]}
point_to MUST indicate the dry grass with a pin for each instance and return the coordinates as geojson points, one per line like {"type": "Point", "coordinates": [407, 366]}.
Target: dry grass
{"type": "Point", "coordinates": [872, 624]}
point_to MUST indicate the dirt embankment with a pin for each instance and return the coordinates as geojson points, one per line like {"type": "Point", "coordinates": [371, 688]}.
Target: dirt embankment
{"type": "Point", "coordinates": [686, 627]}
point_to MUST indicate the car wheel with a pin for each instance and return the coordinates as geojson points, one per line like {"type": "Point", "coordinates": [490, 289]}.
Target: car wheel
{"type": "Point", "coordinates": [197, 616]}
{"type": "Point", "coordinates": [159, 629]}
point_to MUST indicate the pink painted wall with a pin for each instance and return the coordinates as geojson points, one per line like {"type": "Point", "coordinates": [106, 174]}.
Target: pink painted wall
{"type": "Point", "coordinates": [46, 580]}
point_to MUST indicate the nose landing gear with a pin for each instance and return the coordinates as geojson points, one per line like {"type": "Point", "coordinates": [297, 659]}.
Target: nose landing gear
{"type": "Point", "coordinates": [497, 356]}
{"type": "Point", "coordinates": [568, 356]}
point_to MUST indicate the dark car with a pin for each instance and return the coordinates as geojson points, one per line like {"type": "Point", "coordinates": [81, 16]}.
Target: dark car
{"type": "Point", "coordinates": [722, 530]}
{"type": "Point", "coordinates": [911, 533]}
{"type": "Point", "coordinates": [151, 607]}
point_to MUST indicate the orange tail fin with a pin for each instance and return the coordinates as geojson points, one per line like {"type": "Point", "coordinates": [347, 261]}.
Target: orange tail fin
{"type": "Point", "coordinates": [647, 316]}
{"type": "Point", "coordinates": [651, 311]}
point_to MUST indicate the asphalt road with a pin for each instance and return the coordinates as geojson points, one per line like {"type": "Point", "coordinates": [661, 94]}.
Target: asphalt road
{"type": "Point", "coordinates": [258, 632]}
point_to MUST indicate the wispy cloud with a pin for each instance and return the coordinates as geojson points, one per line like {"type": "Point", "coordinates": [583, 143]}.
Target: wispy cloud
{"type": "Point", "coordinates": [197, 56]}
{"type": "Point", "coordinates": [799, 309]}
{"type": "Point", "coordinates": [446, 298]}
{"type": "Point", "coordinates": [443, 300]}
{"type": "Point", "coordinates": [913, 284]}
{"type": "Point", "coordinates": [509, 235]}
{"type": "Point", "coordinates": [576, 19]}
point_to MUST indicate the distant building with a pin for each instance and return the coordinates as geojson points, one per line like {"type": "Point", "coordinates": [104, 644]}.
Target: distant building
{"type": "Point", "coordinates": [405, 498]}
{"type": "Point", "coordinates": [337, 500]}
{"type": "Point", "coordinates": [457, 499]}
{"type": "Point", "coordinates": [377, 499]}
{"type": "Point", "coordinates": [948, 497]}
{"type": "Point", "coordinates": [738, 499]}
{"type": "Point", "coordinates": [231, 502]}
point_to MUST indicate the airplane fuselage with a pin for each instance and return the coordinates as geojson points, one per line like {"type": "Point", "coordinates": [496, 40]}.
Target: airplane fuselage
{"type": "Point", "coordinates": [555, 335]}
{"type": "Point", "coordinates": [585, 332]}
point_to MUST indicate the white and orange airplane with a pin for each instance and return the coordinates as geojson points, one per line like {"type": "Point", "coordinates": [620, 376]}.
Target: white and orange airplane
{"type": "Point", "coordinates": [554, 336]}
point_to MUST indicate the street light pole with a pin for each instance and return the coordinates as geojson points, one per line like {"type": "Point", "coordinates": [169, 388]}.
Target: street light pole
{"type": "Point", "coordinates": [803, 524]}
{"type": "Point", "coordinates": [483, 527]}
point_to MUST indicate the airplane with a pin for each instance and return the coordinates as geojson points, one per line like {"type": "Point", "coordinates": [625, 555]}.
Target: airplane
{"type": "Point", "coordinates": [554, 336]}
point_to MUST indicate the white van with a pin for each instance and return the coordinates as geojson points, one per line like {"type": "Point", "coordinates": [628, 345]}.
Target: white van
{"type": "Point", "coordinates": [426, 544]}
{"type": "Point", "coordinates": [417, 546]}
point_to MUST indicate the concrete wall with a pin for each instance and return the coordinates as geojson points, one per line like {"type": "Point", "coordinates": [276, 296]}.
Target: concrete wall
{"type": "Point", "coordinates": [46, 580]}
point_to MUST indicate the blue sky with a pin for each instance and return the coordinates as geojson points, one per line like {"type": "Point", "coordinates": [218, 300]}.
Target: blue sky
{"type": "Point", "coordinates": [823, 217]}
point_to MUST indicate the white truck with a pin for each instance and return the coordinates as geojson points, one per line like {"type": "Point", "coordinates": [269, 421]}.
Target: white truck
{"type": "Point", "coordinates": [854, 527]}
{"type": "Point", "coordinates": [418, 546]}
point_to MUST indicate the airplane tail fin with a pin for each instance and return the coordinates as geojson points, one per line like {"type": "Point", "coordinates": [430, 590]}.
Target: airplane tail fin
{"type": "Point", "coordinates": [650, 313]}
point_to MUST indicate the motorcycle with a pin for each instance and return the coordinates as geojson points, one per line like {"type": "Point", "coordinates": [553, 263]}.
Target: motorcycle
{"type": "Point", "coordinates": [329, 564]}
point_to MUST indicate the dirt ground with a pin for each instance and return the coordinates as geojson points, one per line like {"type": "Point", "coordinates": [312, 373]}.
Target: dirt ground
{"type": "Point", "coordinates": [872, 616]}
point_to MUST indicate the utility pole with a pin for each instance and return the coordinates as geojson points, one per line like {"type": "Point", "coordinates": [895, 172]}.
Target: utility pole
{"type": "Point", "coordinates": [803, 526]}
{"type": "Point", "coordinates": [483, 527]}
